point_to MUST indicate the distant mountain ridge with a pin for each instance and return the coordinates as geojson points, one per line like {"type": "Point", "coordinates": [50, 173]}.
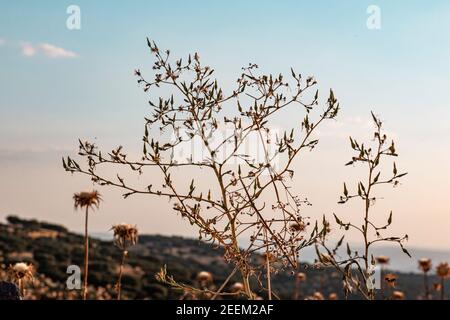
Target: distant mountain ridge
{"type": "Point", "coordinates": [399, 261]}
{"type": "Point", "coordinates": [51, 248]}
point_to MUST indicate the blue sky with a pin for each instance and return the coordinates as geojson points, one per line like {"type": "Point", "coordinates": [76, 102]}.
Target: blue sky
{"type": "Point", "coordinates": [47, 102]}
{"type": "Point", "coordinates": [326, 38]}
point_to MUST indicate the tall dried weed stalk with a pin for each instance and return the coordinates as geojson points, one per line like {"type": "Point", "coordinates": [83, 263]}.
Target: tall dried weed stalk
{"type": "Point", "coordinates": [358, 269]}
{"type": "Point", "coordinates": [125, 235]}
{"type": "Point", "coordinates": [188, 106]}
{"type": "Point", "coordinates": [86, 200]}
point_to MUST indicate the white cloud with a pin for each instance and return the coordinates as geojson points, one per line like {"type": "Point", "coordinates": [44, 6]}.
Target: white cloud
{"type": "Point", "coordinates": [46, 49]}
{"type": "Point", "coordinates": [52, 51]}
{"type": "Point", "coordinates": [27, 49]}
{"type": "Point", "coordinates": [2, 41]}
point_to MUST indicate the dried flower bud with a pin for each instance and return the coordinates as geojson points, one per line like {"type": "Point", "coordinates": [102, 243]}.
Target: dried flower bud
{"type": "Point", "coordinates": [443, 270]}
{"type": "Point", "coordinates": [382, 260]}
{"type": "Point", "coordinates": [237, 287]}
{"type": "Point", "coordinates": [425, 264]}
{"type": "Point", "coordinates": [204, 277]}
{"type": "Point", "coordinates": [125, 235]}
{"type": "Point", "coordinates": [87, 199]}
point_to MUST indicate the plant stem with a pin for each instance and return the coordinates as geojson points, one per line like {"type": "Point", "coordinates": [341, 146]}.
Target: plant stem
{"type": "Point", "coordinates": [119, 281]}
{"type": "Point", "coordinates": [224, 283]}
{"type": "Point", "coordinates": [22, 291]}
{"type": "Point", "coordinates": [425, 282]}
{"type": "Point", "coordinates": [269, 285]}
{"type": "Point", "coordinates": [86, 254]}
{"type": "Point", "coordinates": [297, 289]}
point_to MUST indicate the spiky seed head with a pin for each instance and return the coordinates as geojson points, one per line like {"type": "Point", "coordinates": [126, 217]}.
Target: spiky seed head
{"type": "Point", "coordinates": [425, 264]}
{"type": "Point", "coordinates": [125, 235]}
{"type": "Point", "coordinates": [443, 270]}
{"type": "Point", "coordinates": [87, 199]}
{"type": "Point", "coordinates": [21, 271]}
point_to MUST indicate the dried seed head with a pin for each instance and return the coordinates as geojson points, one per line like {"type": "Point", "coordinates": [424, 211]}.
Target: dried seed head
{"type": "Point", "coordinates": [204, 277]}
{"type": "Point", "coordinates": [425, 264]}
{"type": "Point", "coordinates": [87, 199]}
{"type": "Point", "coordinates": [382, 260]}
{"type": "Point", "coordinates": [443, 270]}
{"type": "Point", "coordinates": [237, 287]}
{"type": "Point", "coordinates": [125, 235]}
{"type": "Point", "coordinates": [21, 271]}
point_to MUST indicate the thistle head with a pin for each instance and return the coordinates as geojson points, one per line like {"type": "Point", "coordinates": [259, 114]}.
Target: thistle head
{"type": "Point", "coordinates": [425, 264]}
{"type": "Point", "coordinates": [87, 199]}
{"type": "Point", "coordinates": [443, 270]}
{"type": "Point", "coordinates": [125, 235]}
{"type": "Point", "coordinates": [21, 271]}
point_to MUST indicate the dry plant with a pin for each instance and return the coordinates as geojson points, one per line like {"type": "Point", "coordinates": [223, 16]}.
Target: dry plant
{"type": "Point", "coordinates": [443, 272]}
{"type": "Point", "coordinates": [231, 207]}
{"type": "Point", "coordinates": [357, 269]}
{"type": "Point", "coordinates": [425, 266]}
{"type": "Point", "coordinates": [86, 200]}
{"type": "Point", "coordinates": [125, 235]}
{"type": "Point", "coordinates": [20, 273]}
{"type": "Point", "coordinates": [383, 261]}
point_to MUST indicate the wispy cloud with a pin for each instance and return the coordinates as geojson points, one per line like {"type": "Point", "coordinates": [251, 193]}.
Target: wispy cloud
{"type": "Point", "coordinates": [2, 41]}
{"type": "Point", "coordinates": [32, 154]}
{"type": "Point", "coordinates": [52, 51]}
{"type": "Point", "coordinates": [27, 49]}
{"type": "Point", "coordinates": [47, 49]}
